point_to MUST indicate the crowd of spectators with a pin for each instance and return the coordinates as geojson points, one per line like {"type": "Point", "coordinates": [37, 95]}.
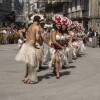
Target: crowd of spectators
{"type": "Point", "coordinates": [11, 34]}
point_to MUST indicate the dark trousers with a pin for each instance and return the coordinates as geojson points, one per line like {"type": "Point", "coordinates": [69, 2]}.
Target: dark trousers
{"type": "Point", "coordinates": [99, 41]}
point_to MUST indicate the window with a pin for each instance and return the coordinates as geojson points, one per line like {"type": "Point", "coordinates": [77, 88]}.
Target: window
{"type": "Point", "coordinates": [86, 4]}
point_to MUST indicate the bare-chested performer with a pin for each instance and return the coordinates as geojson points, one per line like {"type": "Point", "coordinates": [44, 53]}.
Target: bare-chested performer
{"type": "Point", "coordinates": [31, 51]}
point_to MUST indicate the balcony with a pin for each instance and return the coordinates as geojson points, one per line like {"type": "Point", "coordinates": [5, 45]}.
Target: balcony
{"type": "Point", "coordinates": [73, 15]}
{"type": "Point", "coordinates": [73, 9]}
{"type": "Point", "coordinates": [78, 8]}
{"type": "Point", "coordinates": [79, 14]}
{"type": "Point", "coordinates": [66, 0]}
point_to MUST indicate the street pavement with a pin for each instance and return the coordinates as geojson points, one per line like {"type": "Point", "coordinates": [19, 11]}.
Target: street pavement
{"type": "Point", "coordinates": [81, 81]}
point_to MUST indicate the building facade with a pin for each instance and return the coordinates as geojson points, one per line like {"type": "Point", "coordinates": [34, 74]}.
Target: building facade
{"type": "Point", "coordinates": [28, 9]}
{"type": "Point", "coordinates": [94, 14]}
{"type": "Point", "coordinates": [41, 4]}
{"type": "Point", "coordinates": [9, 10]}
{"type": "Point", "coordinates": [5, 6]}
{"type": "Point", "coordinates": [17, 9]}
{"type": "Point", "coordinates": [5, 10]}
{"type": "Point", "coordinates": [79, 10]}
{"type": "Point", "coordinates": [57, 6]}
{"type": "Point", "coordinates": [84, 11]}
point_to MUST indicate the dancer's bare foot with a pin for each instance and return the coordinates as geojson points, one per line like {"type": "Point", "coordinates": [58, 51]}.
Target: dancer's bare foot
{"type": "Point", "coordinates": [31, 82]}
{"type": "Point", "coordinates": [57, 76]}
{"type": "Point", "coordinates": [25, 79]}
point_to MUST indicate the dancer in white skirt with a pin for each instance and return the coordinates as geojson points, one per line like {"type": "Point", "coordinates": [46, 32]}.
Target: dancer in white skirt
{"type": "Point", "coordinates": [57, 47]}
{"type": "Point", "coordinates": [43, 39]}
{"type": "Point", "coordinates": [31, 51]}
{"type": "Point", "coordinates": [68, 39]}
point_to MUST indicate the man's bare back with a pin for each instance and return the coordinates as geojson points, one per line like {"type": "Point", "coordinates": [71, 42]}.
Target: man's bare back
{"type": "Point", "coordinates": [31, 33]}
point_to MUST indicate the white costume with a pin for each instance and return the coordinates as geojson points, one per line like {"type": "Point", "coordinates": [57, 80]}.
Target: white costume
{"type": "Point", "coordinates": [54, 49]}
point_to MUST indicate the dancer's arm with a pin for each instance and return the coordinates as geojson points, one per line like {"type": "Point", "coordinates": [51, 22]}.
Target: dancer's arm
{"type": "Point", "coordinates": [44, 39]}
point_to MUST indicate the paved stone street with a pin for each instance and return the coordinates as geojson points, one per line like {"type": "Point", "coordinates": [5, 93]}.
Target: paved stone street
{"type": "Point", "coordinates": [81, 81]}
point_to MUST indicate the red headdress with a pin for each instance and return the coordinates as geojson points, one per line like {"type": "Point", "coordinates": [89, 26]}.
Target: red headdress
{"type": "Point", "coordinates": [57, 18]}
{"type": "Point", "coordinates": [80, 26]}
{"type": "Point", "coordinates": [75, 23]}
{"type": "Point", "coordinates": [65, 21]}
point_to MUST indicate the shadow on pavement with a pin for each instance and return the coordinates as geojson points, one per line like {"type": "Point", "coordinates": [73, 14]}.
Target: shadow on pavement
{"type": "Point", "coordinates": [43, 68]}
{"type": "Point", "coordinates": [64, 73]}
{"type": "Point", "coordinates": [48, 76]}
{"type": "Point", "coordinates": [71, 67]}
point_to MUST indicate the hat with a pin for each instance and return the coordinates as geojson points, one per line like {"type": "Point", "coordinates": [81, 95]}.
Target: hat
{"type": "Point", "coordinates": [42, 19]}
{"type": "Point", "coordinates": [57, 18]}
{"type": "Point", "coordinates": [32, 17]}
{"type": "Point", "coordinates": [70, 22]}
{"type": "Point", "coordinates": [75, 23]}
{"type": "Point", "coordinates": [65, 21]}
{"type": "Point", "coordinates": [80, 26]}
{"type": "Point", "coordinates": [30, 21]}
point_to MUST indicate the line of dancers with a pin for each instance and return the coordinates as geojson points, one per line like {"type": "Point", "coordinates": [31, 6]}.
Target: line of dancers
{"type": "Point", "coordinates": [65, 42]}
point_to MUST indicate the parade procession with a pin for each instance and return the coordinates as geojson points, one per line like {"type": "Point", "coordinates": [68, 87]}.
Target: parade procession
{"type": "Point", "coordinates": [49, 49]}
{"type": "Point", "coordinates": [65, 41]}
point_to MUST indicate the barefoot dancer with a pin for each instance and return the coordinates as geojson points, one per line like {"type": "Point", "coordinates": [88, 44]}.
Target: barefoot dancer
{"type": "Point", "coordinates": [29, 51]}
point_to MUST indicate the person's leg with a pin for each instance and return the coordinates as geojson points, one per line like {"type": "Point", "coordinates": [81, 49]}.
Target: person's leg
{"type": "Point", "coordinates": [78, 50]}
{"type": "Point", "coordinates": [40, 54]}
{"type": "Point", "coordinates": [46, 57]}
{"type": "Point", "coordinates": [99, 41]}
{"type": "Point", "coordinates": [69, 55]}
{"type": "Point", "coordinates": [54, 70]}
{"type": "Point", "coordinates": [32, 77]}
{"type": "Point", "coordinates": [26, 74]}
{"type": "Point", "coordinates": [57, 65]}
{"type": "Point", "coordinates": [64, 59]}
{"type": "Point", "coordinates": [93, 42]}
{"type": "Point", "coordinates": [74, 53]}
{"type": "Point", "coordinates": [52, 60]}
{"type": "Point", "coordinates": [40, 65]}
